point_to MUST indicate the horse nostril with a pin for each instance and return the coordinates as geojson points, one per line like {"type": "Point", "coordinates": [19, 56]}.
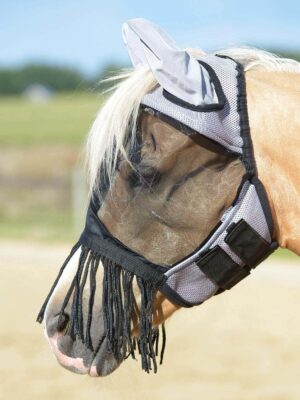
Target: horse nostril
{"type": "Point", "coordinates": [62, 322]}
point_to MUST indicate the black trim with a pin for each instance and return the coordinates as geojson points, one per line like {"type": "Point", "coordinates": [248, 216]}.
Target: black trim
{"type": "Point", "coordinates": [261, 192]}
{"type": "Point", "coordinates": [96, 237]}
{"type": "Point", "coordinates": [248, 153]}
{"type": "Point", "coordinates": [245, 178]}
{"type": "Point", "coordinates": [174, 297]}
{"type": "Point", "coordinates": [220, 290]}
{"type": "Point", "coordinates": [188, 131]}
{"type": "Point", "coordinates": [206, 107]}
{"type": "Point", "coordinates": [248, 244]}
{"type": "Point", "coordinates": [220, 268]}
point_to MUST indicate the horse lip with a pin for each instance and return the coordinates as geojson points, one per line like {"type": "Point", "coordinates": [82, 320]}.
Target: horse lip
{"type": "Point", "coordinates": [76, 365]}
{"type": "Point", "coordinates": [66, 361]}
{"type": "Point", "coordinates": [108, 361]}
{"type": "Point", "coordinates": [93, 369]}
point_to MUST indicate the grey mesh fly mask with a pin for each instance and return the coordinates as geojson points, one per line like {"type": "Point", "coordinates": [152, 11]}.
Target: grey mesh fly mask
{"type": "Point", "coordinates": [185, 214]}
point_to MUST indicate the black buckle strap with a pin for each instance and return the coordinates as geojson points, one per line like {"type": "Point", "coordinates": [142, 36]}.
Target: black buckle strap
{"type": "Point", "coordinates": [219, 267]}
{"type": "Point", "coordinates": [247, 244]}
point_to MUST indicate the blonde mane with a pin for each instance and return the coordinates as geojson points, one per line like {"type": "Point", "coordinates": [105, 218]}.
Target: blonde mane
{"type": "Point", "coordinates": [116, 120]}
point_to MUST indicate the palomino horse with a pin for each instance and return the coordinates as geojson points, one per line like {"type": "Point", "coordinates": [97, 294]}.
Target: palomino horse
{"type": "Point", "coordinates": [273, 102]}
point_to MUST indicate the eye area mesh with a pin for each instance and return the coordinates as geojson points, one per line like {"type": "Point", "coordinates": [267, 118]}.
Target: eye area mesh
{"type": "Point", "coordinates": [143, 176]}
{"type": "Point", "coordinates": [170, 193]}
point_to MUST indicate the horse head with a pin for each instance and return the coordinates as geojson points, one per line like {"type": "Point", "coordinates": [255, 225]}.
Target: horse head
{"type": "Point", "coordinates": [177, 212]}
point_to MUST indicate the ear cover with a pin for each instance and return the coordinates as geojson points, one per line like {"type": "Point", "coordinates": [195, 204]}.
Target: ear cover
{"type": "Point", "coordinates": [178, 72]}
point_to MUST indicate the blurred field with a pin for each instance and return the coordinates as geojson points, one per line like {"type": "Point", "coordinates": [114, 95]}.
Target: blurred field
{"type": "Point", "coordinates": [63, 120]}
{"type": "Point", "coordinates": [40, 147]}
{"type": "Point", "coordinates": [244, 344]}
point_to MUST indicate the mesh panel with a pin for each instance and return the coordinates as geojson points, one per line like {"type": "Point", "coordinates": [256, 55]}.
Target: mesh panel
{"type": "Point", "coordinates": [222, 126]}
{"type": "Point", "coordinates": [255, 219]}
{"type": "Point", "coordinates": [174, 192]}
{"type": "Point", "coordinates": [243, 209]}
{"type": "Point", "coordinates": [186, 280]}
{"type": "Point", "coordinates": [192, 284]}
{"type": "Point", "coordinates": [221, 231]}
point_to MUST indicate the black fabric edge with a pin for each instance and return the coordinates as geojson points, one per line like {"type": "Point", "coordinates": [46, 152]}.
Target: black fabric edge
{"type": "Point", "coordinates": [242, 108]}
{"type": "Point", "coordinates": [175, 298]}
{"type": "Point", "coordinates": [187, 130]}
{"type": "Point", "coordinates": [98, 239]}
{"type": "Point", "coordinates": [264, 201]}
{"type": "Point", "coordinates": [206, 107]}
{"type": "Point", "coordinates": [149, 272]}
{"type": "Point", "coordinates": [248, 152]}
{"type": "Point", "coordinates": [245, 178]}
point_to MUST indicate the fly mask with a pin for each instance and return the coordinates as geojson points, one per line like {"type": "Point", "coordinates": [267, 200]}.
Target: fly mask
{"type": "Point", "coordinates": [184, 213]}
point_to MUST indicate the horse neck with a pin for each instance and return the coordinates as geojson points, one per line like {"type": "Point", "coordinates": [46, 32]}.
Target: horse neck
{"type": "Point", "coordinates": [273, 104]}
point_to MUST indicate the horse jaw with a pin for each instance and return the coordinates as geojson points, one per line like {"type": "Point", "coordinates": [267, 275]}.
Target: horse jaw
{"type": "Point", "coordinates": [273, 104]}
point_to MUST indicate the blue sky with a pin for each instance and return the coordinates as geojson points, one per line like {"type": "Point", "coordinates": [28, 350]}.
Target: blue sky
{"type": "Point", "coordinates": [87, 33]}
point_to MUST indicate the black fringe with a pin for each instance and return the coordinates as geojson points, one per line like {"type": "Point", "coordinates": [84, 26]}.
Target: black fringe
{"type": "Point", "coordinates": [41, 314]}
{"type": "Point", "coordinates": [121, 314]}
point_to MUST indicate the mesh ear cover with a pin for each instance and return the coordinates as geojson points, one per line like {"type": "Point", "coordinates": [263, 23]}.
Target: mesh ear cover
{"type": "Point", "coordinates": [171, 193]}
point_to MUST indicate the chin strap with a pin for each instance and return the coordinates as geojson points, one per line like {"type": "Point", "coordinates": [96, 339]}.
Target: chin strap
{"type": "Point", "coordinates": [247, 244]}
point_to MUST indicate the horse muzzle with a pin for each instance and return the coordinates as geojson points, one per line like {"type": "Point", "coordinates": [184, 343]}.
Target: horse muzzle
{"type": "Point", "coordinates": [74, 355]}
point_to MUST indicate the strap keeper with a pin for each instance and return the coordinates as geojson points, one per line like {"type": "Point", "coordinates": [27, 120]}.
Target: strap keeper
{"type": "Point", "coordinates": [248, 244]}
{"type": "Point", "coordinates": [219, 267]}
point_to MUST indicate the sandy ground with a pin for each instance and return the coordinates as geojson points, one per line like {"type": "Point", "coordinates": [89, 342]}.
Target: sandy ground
{"type": "Point", "coordinates": [241, 345]}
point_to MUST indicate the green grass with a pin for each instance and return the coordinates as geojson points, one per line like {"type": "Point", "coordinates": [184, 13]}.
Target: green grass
{"type": "Point", "coordinates": [41, 225]}
{"type": "Point", "coordinates": [285, 255]}
{"type": "Point", "coordinates": [65, 119]}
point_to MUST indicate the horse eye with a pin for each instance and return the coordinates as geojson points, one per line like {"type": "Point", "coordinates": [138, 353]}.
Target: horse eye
{"type": "Point", "coordinates": [146, 177]}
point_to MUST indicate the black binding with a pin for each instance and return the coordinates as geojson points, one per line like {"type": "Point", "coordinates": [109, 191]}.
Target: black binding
{"type": "Point", "coordinates": [96, 237]}
{"type": "Point", "coordinates": [204, 107]}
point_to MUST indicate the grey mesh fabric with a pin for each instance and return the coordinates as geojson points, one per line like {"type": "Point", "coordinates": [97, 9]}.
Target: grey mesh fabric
{"type": "Point", "coordinates": [223, 126]}
{"type": "Point", "coordinates": [197, 287]}
{"type": "Point", "coordinates": [191, 284]}
{"type": "Point", "coordinates": [171, 193]}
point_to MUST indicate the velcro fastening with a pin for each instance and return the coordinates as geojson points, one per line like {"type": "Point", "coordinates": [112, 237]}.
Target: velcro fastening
{"type": "Point", "coordinates": [219, 267]}
{"type": "Point", "coordinates": [247, 244]}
